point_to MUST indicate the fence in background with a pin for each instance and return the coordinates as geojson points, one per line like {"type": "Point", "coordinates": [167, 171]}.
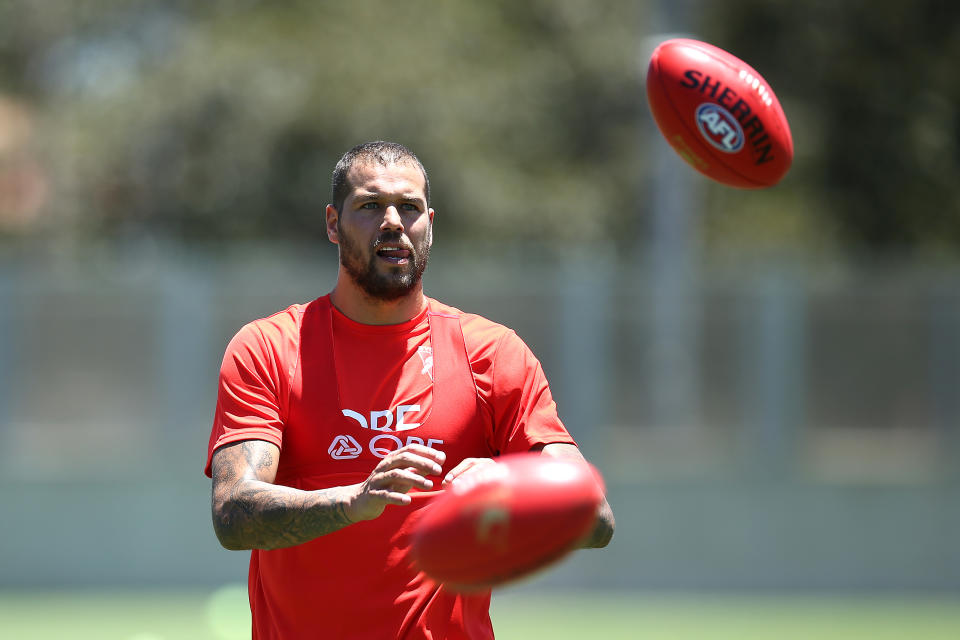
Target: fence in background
{"type": "Point", "coordinates": [786, 427]}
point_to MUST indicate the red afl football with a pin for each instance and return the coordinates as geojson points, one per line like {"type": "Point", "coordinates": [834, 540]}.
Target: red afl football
{"type": "Point", "coordinates": [719, 114]}
{"type": "Point", "coordinates": [506, 521]}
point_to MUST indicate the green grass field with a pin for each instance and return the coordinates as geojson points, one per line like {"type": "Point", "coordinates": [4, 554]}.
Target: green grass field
{"type": "Point", "coordinates": [518, 615]}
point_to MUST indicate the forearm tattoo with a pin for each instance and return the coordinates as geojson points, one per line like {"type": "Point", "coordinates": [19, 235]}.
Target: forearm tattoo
{"type": "Point", "coordinates": [249, 513]}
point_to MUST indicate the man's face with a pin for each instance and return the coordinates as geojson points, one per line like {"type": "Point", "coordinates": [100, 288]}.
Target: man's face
{"type": "Point", "coordinates": [384, 230]}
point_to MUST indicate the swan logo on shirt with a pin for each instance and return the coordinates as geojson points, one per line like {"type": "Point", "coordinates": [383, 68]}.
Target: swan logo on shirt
{"type": "Point", "coordinates": [426, 357]}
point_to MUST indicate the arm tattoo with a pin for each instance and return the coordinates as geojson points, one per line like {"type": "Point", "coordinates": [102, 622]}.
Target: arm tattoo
{"type": "Point", "coordinates": [261, 463]}
{"type": "Point", "coordinates": [250, 513]}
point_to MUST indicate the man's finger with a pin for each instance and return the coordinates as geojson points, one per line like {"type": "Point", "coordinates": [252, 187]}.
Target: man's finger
{"type": "Point", "coordinates": [401, 479]}
{"type": "Point", "coordinates": [404, 459]}
{"type": "Point", "coordinates": [468, 464]}
{"type": "Point", "coordinates": [422, 450]}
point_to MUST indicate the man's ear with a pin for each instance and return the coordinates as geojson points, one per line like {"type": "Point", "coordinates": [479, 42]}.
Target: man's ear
{"type": "Point", "coordinates": [332, 216]}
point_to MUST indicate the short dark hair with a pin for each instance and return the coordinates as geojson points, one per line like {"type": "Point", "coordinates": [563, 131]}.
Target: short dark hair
{"type": "Point", "coordinates": [379, 152]}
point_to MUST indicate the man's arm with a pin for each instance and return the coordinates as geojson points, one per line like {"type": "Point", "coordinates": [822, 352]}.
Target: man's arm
{"type": "Point", "coordinates": [603, 528]}
{"type": "Point", "coordinates": [602, 531]}
{"type": "Point", "coordinates": [250, 512]}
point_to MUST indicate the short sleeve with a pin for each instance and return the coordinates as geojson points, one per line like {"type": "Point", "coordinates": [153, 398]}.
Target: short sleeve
{"type": "Point", "coordinates": [248, 394]}
{"type": "Point", "coordinates": [525, 414]}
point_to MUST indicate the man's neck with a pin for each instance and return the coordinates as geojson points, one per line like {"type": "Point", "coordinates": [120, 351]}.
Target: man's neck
{"type": "Point", "coordinates": [354, 303]}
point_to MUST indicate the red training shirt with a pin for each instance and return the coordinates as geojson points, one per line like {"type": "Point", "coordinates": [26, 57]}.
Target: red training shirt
{"type": "Point", "coordinates": [336, 396]}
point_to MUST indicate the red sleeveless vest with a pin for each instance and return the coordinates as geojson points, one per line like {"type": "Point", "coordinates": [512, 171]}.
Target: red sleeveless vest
{"type": "Point", "coordinates": [359, 582]}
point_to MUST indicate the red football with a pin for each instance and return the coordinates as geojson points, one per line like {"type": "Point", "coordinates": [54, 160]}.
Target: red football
{"type": "Point", "coordinates": [719, 114]}
{"type": "Point", "coordinates": [506, 521]}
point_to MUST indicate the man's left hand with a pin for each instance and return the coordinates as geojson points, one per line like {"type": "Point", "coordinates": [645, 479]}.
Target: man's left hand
{"type": "Point", "coordinates": [467, 466]}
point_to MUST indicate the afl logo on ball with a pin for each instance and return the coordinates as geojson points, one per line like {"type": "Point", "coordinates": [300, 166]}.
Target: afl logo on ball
{"type": "Point", "coordinates": [719, 127]}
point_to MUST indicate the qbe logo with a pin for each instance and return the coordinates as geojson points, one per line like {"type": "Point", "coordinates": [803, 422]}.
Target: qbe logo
{"type": "Point", "coordinates": [719, 127]}
{"type": "Point", "coordinates": [344, 448]}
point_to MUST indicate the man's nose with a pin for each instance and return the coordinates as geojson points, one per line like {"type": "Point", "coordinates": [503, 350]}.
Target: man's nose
{"type": "Point", "coordinates": [392, 219]}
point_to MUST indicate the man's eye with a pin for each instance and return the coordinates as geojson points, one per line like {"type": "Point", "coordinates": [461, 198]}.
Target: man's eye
{"type": "Point", "coordinates": [370, 205]}
{"type": "Point", "coordinates": [409, 206]}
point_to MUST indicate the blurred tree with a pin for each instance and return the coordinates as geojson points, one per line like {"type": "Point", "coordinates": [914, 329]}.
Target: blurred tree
{"type": "Point", "coordinates": [221, 120]}
{"type": "Point", "coordinates": [875, 92]}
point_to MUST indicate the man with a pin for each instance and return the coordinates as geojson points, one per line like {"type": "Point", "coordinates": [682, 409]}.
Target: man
{"type": "Point", "coordinates": [335, 420]}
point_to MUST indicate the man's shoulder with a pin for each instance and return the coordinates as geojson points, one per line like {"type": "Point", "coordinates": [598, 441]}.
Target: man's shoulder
{"type": "Point", "coordinates": [279, 327]}
{"type": "Point", "coordinates": [282, 321]}
{"type": "Point", "coordinates": [476, 328]}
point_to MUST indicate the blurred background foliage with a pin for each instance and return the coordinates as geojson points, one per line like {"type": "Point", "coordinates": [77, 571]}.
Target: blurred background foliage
{"type": "Point", "coordinates": [874, 98]}
{"type": "Point", "coordinates": [220, 121]}
{"type": "Point", "coordinates": [223, 120]}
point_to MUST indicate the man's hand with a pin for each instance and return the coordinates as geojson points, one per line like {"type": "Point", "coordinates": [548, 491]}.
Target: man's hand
{"type": "Point", "coordinates": [399, 472]}
{"type": "Point", "coordinates": [467, 466]}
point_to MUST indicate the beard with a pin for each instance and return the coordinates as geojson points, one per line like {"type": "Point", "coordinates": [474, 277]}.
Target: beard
{"type": "Point", "coordinates": [388, 284]}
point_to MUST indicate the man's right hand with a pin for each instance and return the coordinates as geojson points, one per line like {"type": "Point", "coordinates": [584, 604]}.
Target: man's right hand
{"type": "Point", "coordinates": [399, 472]}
